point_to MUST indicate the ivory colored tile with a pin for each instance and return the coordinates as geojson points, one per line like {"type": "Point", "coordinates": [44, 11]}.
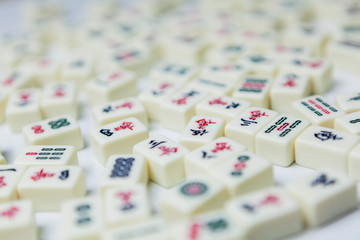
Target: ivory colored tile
{"type": "Point", "coordinates": [9, 177]}
{"type": "Point", "coordinates": [201, 130]}
{"type": "Point", "coordinates": [348, 102]}
{"type": "Point", "coordinates": [17, 221]}
{"type": "Point", "coordinates": [209, 156]}
{"type": "Point", "coordinates": [287, 88]}
{"type": "Point", "coordinates": [82, 219]}
{"type": "Point", "coordinates": [47, 155]}
{"type": "Point", "coordinates": [48, 187]}
{"type": "Point", "coordinates": [354, 163]}
{"type": "Point", "coordinates": [45, 70]}
{"type": "Point", "coordinates": [59, 99]}
{"type": "Point", "coordinates": [118, 110]}
{"type": "Point", "coordinates": [126, 205]}
{"type": "Point", "coordinates": [348, 123]}
{"type": "Point", "coordinates": [276, 140]}
{"type": "Point", "coordinates": [225, 71]}
{"type": "Point", "coordinates": [165, 160]}
{"type": "Point", "coordinates": [62, 130]}
{"type": "Point", "coordinates": [23, 107]}
{"type": "Point", "coordinates": [247, 124]}
{"type": "Point", "coordinates": [152, 97]}
{"type": "Point", "coordinates": [77, 69]}
{"type": "Point", "coordinates": [332, 194]}
{"type": "Point", "coordinates": [215, 225]}
{"type": "Point", "coordinates": [225, 53]}
{"type": "Point", "coordinates": [177, 110]}
{"type": "Point", "coordinates": [2, 160]}
{"type": "Point", "coordinates": [196, 195]}
{"type": "Point", "coordinates": [266, 214]}
{"type": "Point", "coordinates": [320, 147]}
{"type": "Point", "coordinates": [105, 140]}
{"type": "Point", "coordinates": [286, 52]}
{"type": "Point", "coordinates": [111, 86]}
{"type": "Point", "coordinates": [222, 106]}
{"type": "Point", "coordinates": [213, 86]}
{"type": "Point", "coordinates": [124, 169]}
{"type": "Point", "coordinates": [243, 173]}
{"type": "Point", "coordinates": [4, 95]}
{"type": "Point", "coordinates": [172, 72]}
{"type": "Point", "coordinates": [259, 64]}
{"type": "Point", "coordinates": [254, 89]}
{"type": "Point", "coordinates": [317, 110]}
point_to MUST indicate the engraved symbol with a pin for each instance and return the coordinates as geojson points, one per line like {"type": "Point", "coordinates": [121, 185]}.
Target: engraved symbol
{"type": "Point", "coordinates": [106, 132]}
{"type": "Point", "coordinates": [221, 147]}
{"type": "Point", "coordinates": [183, 100]}
{"type": "Point", "coordinates": [356, 98]}
{"type": "Point", "coordinates": [41, 174]}
{"type": "Point", "coordinates": [323, 180]}
{"type": "Point", "coordinates": [24, 99]}
{"type": "Point", "coordinates": [62, 122]}
{"type": "Point", "coordinates": [202, 123]}
{"type": "Point", "coordinates": [122, 167]}
{"type": "Point", "coordinates": [247, 123]}
{"type": "Point", "coordinates": [125, 197]}
{"type": "Point", "coordinates": [64, 175]}
{"type": "Point", "coordinates": [10, 80]}
{"type": "Point", "coordinates": [167, 150]}
{"type": "Point", "coordinates": [240, 166]}
{"type": "Point", "coordinates": [2, 181]}
{"type": "Point", "coordinates": [59, 91]}
{"type": "Point", "coordinates": [198, 132]}
{"type": "Point", "coordinates": [125, 125]}
{"type": "Point", "coordinates": [194, 231]}
{"type": "Point", "coordinates": [83, 211]}
{"type": "Point", "coordinates": [217, 225]}
{"type": "Point", "coordinates": [127, 55]}
{"type": "Point", "coordinates": [257, 114]}
{"type": "Point", "coordinates": [268, 200]}
{"type": "Point", "coordinates": [194, 189]}
{"type": "Point", "coordinates": [154, 143]}
{"type": "Point", "coordinates": [37, 129]}
{"type": "Point", "coordinates": [232, 105]}
{"type": "Point", "coordinates": [10, 213]}
{"type": "Point", "coordinates": [126, 104]}
{"type": "Point", "coordinates": [217, 101]}
{"type": "Point", "coordinates": [326, 135]}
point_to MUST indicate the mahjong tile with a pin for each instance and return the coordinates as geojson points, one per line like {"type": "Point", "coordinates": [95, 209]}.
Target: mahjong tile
{"type": "Point", "coordinates": [16, 79]}
{"type": "Point", "coordinates": [62, 130]}
{"type": "Point", "coordinates": [266, 214]}
{"type": "Point", "coordinates": [222, 106]}
{"type": "Point", "coordinates": [165, 160]}
{"type": "Point", "coordinates": [2, 159]}
{"type": "Point", "coordinates": [214, 225]}
{"type": "Point", "coordinates": [320, 72]}
{"type": "Point", "coordinates": [213, 85]}
{"type": "Point", "coordinates": [254, 89]}
{"type": "Point", "coordinates": [82, 219]}
{"type": "Point", "coordinates": [177, 109]}
{"type": "Point", "coordinates": [77, 69]}
{"type": "Point", "coordinates": [47, 155]}
{"type": "Point", "coordinates": [153, 229]}
{"type": "Point", "coordinates": [117, 138]}
{"type": "Point", "coordinates": [172, 72]}
{"type": "Point", "coordinates": [320, 147]}
{"type": "Point", "coordinates": [17, 221]}
{"type": "Point", "coordinates": [260, 65]}
{"type": "Point", "coordinates": [275, 141]}
{"type": "Point", "coordinates": [111, 86]}
{"type": "Point", "coordinates": [201, 130]}
{"type": "Point", "coordinates": [259, 40]}
{"type": "Point", "coordinates": [44, 70]}
{"type": "Point", "coordinates": [317, 110]}
{"type": "Point", "coordinates": [348, 123]}
{"type": "Point", "coordinates": [48, 187]}
{"type": "Point", "coordinates": [207, 157]}
{"type": "Point", "coordinates": [247, 124]}
{"type": "Point", "coordinates": [243, 173]}
{"type": "Point", "coordinates": [287, 88]}
{"type": "Point", "coordinates": [196, 195]}
{"type": "Point", "coordinates": [152, 97]}
{"type": "Point", "coordinates": [9, 177]}
{"type": "Point", "coordinates": [126, 205]}
{"type": "Point", "coordinates": [59, 99]}
{"type": "Point", "coordinates": [286, 52]}
{"type": "Point", "coordinates": [332, 194]}
{"type": "Point", "coordinates": [354, 163]}
{"type": "Point", "coordinates": [225, 53]}
{"type": "Point", "coordinates": [225, 71]}
{"type": "Point", "coordinates": [348, 102]}
{"type": "Point", "coordinates": [117, 110]}
{"type": "Point", "coordinates": [124, 169]}
{"type": "Point", "coordinates": [23, 107]}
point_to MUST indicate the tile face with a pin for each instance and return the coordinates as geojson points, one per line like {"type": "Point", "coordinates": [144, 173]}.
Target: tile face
{"type": "Point", "coordinates": [229, 52]}
{"type": "Point", "coordinates": [15, 79]}
{"type": "Point", "coordinates": [332, 194]}
{"type": "Point", "coordinates": [317, 110]}
{"type": "Point", "coordinates": [213, 85]}
{"type": "Point", "coordinates": [173, 72]}
{"type": "Point", "coordinates": [48, 187]}
{"type": "Point", "coordinates": [286, 52]}
{"type": "Point", "coordinates": [23, 107]}
{"type": "Point", "coordinates": [205, 158]}
{"type": "Point", "coordinates": [177, 110]}
{"type": "Point", "coordinates": [254, 89]}
{"type": "Point", "coordinates": [62, 130]}
{"type": "Point", "coordinates": [259, 64]}
{"type": "Point", "coordinates": [117, 110]}
{"type": "Point", "coordinates": [266, 214]}
{"type": "Point", "coordinates": [110, 87]}
{"type": "Point", "coordinates": [124, 169]}
{"type": "Point", "coordinates": [196, 195]}
{"type": "Point", "coordinates": [82, 219]}
{"type": "Point", "coordinates": [348, 102]}
{"type": "Point", "coordinates": [247, 124]}
{"type": "Point", "coordinates": [152, 97]}
{"type": "Point", "coordinates": [288, 87]}
{"type": "Point", "coordinates": [222, 106]}
{"type": "Point", "coordinates": [348, 123]}
{"type": "Point", "coordinates": [17, 221]}
{"type": "Point", "coordinates": [215, 225]}
{"type": "Point", "coordinates": [9, 177]}
{"type": "Point", "coordinates": [47, 155]}
{"type": "Point", "coordinates": [244, 172]}
{"type": "Point", "coordinates": [77, 69]}
{"type": "Point", "coordinates": [126, 205]}
{"type": "Point", "coordinates": [319, 71]}
{"type": "Point", "coordinates": [59, 99]}
{"type": "Point", "coordinates": [45, 70]}
{"type": "Point", "coordinates": [165, 160]}
{"type": "Point", "coordinates": [228, 72]}
{"type": "Point", "coordinates": [319, 147]}
{"type": "Point", "coordinates": [276, 140]}
{"type": "Point", "coordinates": [105, 140]}
{"type": "Point", "coordinates": [201, 130]}
{"type": "Point", "coordinates": [153, 229]}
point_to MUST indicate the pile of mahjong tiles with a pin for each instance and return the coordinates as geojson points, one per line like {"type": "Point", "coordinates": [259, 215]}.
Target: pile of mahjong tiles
{"type": "Point", "coordinates": [199, 99]}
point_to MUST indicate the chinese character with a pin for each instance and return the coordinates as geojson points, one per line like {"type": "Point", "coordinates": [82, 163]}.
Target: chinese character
{"type": "Point", "coordinates": [153, 143]}
{"type": "Point", "coordinates": [221, 147]}
{"type": "Point", "coordinates": [206, 155]}
{"type": "Point", "coordinates": [217, 101]}
{"type": "Point", "coordinates": [107, 109]}
{"type": "Point", "coordinates": [247, 122]}
{"type": "Point", "coordinates": [216, 225]}
{"type": "Point", "coordinates": [180, 101]}
{"type": "Point", "coordinates": [270, 199]}
{"type": "Point", "coordinates": [166, 150]}
{"type": "Point", "coordinates": [37, 129]}
{"type": "Point", "coordinates": [125, 125]}
{"type": "Point", "coordinates": [42, 174]}
{"type": "Point", "coordinates": [326, 135]}
{"type": "Point", "coordinates": [106, 132]}
{"type": "Point", "coordinates": [257, 114]}
{"type": "Point", "coordinates": [10, 213]}
{"type": "Point", "coordinates": [204, 123]}
{"type": "Point", "coordinates": [323, 180]}
{"type": "Point", "coordinates": [232, 105]}
{"type": "Point", "coordinates": [125, 197]}
{"type": "Point", "coordinates": [127, 104]}
{"type": "Point", "coordinates": [2, 182]}
{"type": "Point", "coordinates": [196, 132]}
